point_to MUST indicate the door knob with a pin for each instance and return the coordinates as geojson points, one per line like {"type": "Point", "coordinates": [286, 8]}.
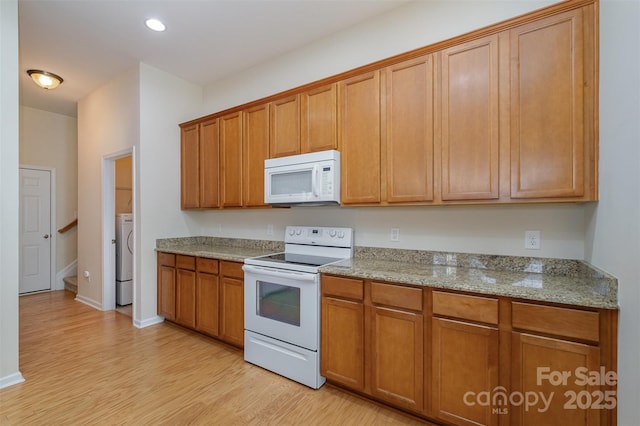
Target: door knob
{"type": "Point", "coordinates": [46, 236]}
{"type": "Point", "coordinates": [113, 241]}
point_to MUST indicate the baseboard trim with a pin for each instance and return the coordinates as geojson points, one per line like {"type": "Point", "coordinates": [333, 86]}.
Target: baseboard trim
{"type": "Point", "coordinates": [89, 302]}
{"type": "Point", "coordinates": [10, 380]}
{"type": "Point", "coordinates": [149, 321]}
{"type": "Point", "coordinates": [70, 269]}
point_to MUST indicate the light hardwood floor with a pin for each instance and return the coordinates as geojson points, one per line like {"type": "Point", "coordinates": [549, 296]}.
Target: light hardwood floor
{"type": "Point", "coordinates": [86, 367]}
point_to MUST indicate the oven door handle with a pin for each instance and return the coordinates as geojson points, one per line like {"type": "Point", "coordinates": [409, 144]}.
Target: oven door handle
{"type": "Point", "coordinates": [279, 273]}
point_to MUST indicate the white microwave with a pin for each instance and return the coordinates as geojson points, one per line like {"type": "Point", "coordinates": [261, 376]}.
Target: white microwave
{"type": "Point", "coordinates": [305, 179]}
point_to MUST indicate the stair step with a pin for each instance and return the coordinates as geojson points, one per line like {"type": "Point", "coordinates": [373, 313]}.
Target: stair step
{"type": "Point", "coordinates": [71, 283]}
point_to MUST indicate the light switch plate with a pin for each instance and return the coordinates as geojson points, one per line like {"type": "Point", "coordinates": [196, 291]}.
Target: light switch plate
{"type": "Point", "coordinates": [395, 234]}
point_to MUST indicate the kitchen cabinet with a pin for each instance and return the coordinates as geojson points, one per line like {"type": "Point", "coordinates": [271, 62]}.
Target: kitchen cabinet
{"type": "Point", "coordinates": [199, 165]}
{"type": "Point", "coordinates": [342, 331]}
{"type": "Point", "coordinates": [207, 296]}
{"type": "Point", "coordinates": [232, 303]}
{"type": "Point", "coordinates": [552, 107]}
{"type": "Point", "coordinates": [372, 339]}
{"type": "Point", "coordinates": [202, 294]}
{"type": "Point", "coordinates": [469, 120]}
{"type": "Point", "coordinates": [231, 159]}
{"type": "Point", "coordinates": [256, 150]}
{"type": "Point", "coordinates": [360, 139]}
{"type": "Point", "coordinates": [397, 345]}
{"type": "Point", "coordinates": [186, 291]}
{"type": "Point", "coordinates": [560, 341]}
{"type": "Point", "coordinates": [166, 295]}
{"type": "Point", "coordinates": [285, 126]}
{"type": "Point", "coordinates": [408, 144]}
{"type": "Point", "coordinates": [464, 357]}
{"type": "Point", "coordinates": [319, 119]}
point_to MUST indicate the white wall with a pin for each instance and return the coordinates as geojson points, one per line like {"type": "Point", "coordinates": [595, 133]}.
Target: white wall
{"type": "Point", "coordinates": [51, 140]}
{"type": "Point", "coordinates": [9, 373]}
{"type": "Point", "coordinates": [613, 225]}
{"type": "Point", "coordinates": [108, 123]}
{"type": "Point", "coordinates": [165, 101]}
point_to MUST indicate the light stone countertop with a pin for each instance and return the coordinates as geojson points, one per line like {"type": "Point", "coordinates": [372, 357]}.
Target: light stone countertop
{"type": "Point", "coordinates": [571, 282]}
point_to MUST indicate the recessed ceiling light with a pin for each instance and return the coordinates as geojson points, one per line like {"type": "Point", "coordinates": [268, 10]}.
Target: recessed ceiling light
{"type": "Point", "coordinates": [155, 24]}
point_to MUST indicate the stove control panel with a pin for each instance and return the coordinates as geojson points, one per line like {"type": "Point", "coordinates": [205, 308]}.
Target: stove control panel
{"type": "Point", "coordinates": [319, 236]}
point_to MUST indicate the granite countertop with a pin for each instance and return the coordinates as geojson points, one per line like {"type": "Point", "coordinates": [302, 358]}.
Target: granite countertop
{"type": "Point", "coordinates": [564, 281]}
{"type": "Point", "coordinates": [233, 249]}
{"type": "Point", "coordinates": [551, 280]}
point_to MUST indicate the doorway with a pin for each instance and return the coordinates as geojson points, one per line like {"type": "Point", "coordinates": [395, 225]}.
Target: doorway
{"type": "Point", "coordinates": [118, 196]}
{"type": "Point", "coordinates": [37, 241]}
{"type": "Point", "coordinates": [124, 235]}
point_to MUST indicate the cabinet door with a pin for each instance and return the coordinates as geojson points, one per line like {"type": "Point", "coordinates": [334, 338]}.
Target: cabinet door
{"type": "Point", "coordinates": [256, 150]}
{"type": "Point", "coordinates": [189, 167]}
{"type": "Point", "coordinates": [547, 126]}
{"type": "Point", "coordinates": [532, 353]}
{"type": "Point", "coordinates": [342, 342]}
{"type": "Point", "coordinates": [231, 159]}
{"type": "Point", "coordinates": [319, 119]}
{"type": "Point", "coordinates": [207, 300]}
{"type": "Point", "coordinates": [285, 127]}
{"type": "Point", "coordinates": [167, 292]}
{"type": "Point", "coordinates": [360, 139]}
{"type": "Point", "coordinates": [397, 357]}
{"type": "Point", "coordinates": [470, 120]}
{"type": "Point", "coordinates": [409, 131]}
{"type": "Point", "coordinates": [209, 164]}
{"type": "Point", "coordinates": [186, 298]}
{"type": "Point", "coordinates": [464, 359]}
{"type": "Point", "coordinates": [232, 311]}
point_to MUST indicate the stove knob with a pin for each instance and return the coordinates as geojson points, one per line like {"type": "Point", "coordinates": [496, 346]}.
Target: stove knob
{"type": "Point", "coordinates": [298, 231]}
{"type": "Point", "coordinates": [340, 234]}
{"type": "Point", "coordinates": [292, 231]}
{"type": "Point", "coordinates": [332, 233]}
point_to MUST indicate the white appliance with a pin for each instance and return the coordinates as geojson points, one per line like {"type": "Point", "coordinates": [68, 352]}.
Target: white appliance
{"type": "Point", "coordinates": [282, 302]}
{"type": "Point", "coordinates": [124, 258]}
{"type": "Point", "coordinates": [305, 179]}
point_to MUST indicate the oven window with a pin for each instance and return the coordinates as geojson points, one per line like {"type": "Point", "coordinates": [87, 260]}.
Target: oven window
{"type": "Point", "coordinates": [279, 302]}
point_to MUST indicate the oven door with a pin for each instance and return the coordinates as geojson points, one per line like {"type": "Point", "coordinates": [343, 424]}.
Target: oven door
{"type": "Point", "coordinates": [282, 304]}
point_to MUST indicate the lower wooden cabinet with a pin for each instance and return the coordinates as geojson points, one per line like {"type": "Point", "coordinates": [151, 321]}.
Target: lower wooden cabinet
{"type": "Point", "coordinates": [202, 294]}
{"type": "Point", "coordinates": [342, 331]}
{"type": "Point", "coordinates": [463, 359]}
{"type": "Point", "coordinates": [232, 303]}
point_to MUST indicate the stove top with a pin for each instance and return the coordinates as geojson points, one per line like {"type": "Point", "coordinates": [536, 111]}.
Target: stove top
{"type": "Point", "coordinates": [308, 248]}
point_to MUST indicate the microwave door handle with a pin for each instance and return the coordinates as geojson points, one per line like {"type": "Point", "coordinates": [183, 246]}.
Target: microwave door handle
{"type": "Point", "coordinates": [314, 181]}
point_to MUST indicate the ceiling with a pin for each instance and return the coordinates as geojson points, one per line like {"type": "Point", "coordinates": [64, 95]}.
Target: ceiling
{"type": "Point", "coordinates": [89, 42]}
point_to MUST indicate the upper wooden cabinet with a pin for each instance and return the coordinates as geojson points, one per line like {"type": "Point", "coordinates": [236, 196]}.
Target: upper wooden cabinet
{"type": "Point", "coordinates": [469, 120]}
{"type": "Point", "coordinates": [285, 127]}
{"type": "Point", "coordinates": [408, 141]}
{"type": "Point", "coordinates": [231, 159]}
{"type": "Point", "coordinates": [552, 107]}
{"type": "Point", "coordinates": [256, 150]}
{"type": "Point", "coordinates": [319, 119]}
{"type": "Point", "coordinates": [507, 114]}
{"type": "Point", "coordinates": [359, 139]}
{"type": "Point", "coordinates": [199, 165]}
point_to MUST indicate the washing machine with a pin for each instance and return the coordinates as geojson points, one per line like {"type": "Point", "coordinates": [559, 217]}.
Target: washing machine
{"type": "Point", "coordinates": [124, 258]}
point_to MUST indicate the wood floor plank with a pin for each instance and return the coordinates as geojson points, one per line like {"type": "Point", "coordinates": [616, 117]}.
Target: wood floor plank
{"type": "Point", "coordinates": [86, 367]}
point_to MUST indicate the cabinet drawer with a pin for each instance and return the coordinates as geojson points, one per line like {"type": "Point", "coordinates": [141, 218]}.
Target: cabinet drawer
{"type": "Point", "coordinates": [472, 308]}
{"type": "Point", "coordinates": [210, 266]}
{"type": "Point", "coordinates": [167, 259]}
{"type": "Point", "coordinates": [186, 262]}
{"type": "Point", "coordinates": [558, 321]}
{"type": "Point", "coordinates": [347, 288]}
{"type": "Point", "coordinates": [398, 296]}
{"type": "Point", "coordinates": [231, 269]}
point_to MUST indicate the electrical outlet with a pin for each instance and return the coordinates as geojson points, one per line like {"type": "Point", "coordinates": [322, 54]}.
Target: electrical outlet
{"type": "Point", "coordinates": [270, 229]}
{"type": "Point", "coordinates": [395, 234]}
{"type": "Point", "coordinates": [532, 240]}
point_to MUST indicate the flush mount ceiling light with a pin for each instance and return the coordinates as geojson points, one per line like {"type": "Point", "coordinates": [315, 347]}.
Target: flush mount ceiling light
{"type": "Point", "coordinates": [46, 80]}
{"type": "Point", "coordinates": [155, 24]}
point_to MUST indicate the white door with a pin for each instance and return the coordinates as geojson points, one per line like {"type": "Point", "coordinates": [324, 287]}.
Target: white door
{"type": "Point", "coordinates": [35, 230]}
